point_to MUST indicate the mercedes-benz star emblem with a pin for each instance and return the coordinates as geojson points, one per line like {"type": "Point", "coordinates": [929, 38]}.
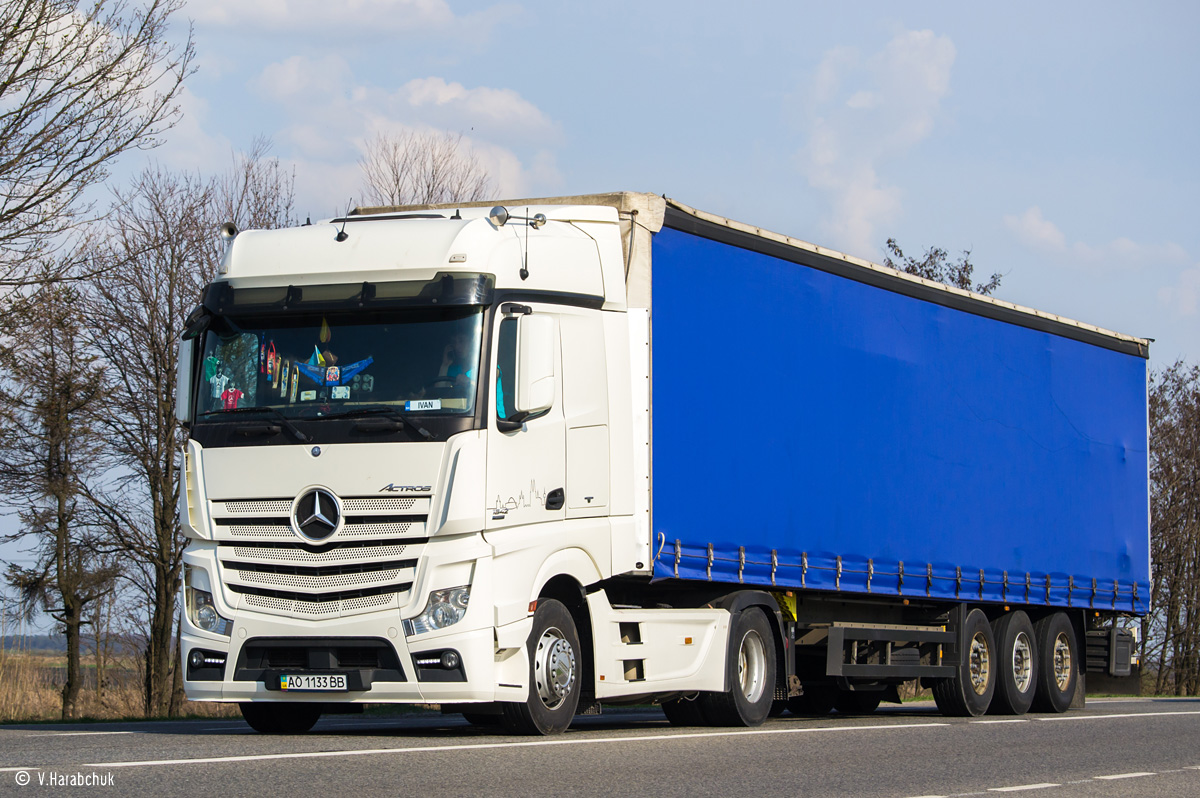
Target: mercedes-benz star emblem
{"type": "Point", "coordinates": [317, 514]}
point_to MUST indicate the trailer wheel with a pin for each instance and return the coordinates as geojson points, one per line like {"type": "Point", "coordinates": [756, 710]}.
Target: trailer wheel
{"type": "Point", "coordinates": [554, 674]}
{"type": "Point", "coordinates": [1016, 679]}
{"type": "Point", "coordinates": [858, 702]}
{"type": "Point", "coordinates": [749, 672]}
{"type": "Point", "coordinates": [816, 702]}
{"type": "Point", "coordinates": [280, 718]}
{"type": "Point", "coordinates": [684, 712]}
{"type": "Point", "coordinates": [969, 692]}
{"type": "Point", "coordinates": [1057, 663]}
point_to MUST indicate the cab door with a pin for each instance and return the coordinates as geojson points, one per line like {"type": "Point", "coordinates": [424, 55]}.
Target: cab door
{"type": "Point", "coordinates": [526, 462]}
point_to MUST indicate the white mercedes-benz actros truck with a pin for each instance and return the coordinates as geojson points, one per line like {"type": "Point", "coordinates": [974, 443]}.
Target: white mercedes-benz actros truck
{"type": "Point", "coordinates": [522, 460]}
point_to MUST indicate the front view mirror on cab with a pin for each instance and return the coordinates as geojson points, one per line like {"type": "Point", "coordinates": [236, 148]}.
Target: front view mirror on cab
{"type": "Point", "coordinates": [526, 380]}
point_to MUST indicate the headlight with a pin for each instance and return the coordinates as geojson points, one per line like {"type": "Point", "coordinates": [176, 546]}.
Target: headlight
{"type": "Point", "coordinates": [203, 613]}
{"type": "Point", "coordinates": [444, 608]}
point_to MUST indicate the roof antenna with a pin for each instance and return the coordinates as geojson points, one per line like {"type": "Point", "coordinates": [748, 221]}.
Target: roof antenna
{"type": "Point", "coordinates": [525, 255]}
{"type": "Point", "coordinates": [457, 214]}
{"type": "Point", "coordinates": [342, 236]}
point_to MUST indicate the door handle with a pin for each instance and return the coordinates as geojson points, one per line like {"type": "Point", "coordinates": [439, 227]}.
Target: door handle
{"type": "Point", "coordinates": [555, 499]}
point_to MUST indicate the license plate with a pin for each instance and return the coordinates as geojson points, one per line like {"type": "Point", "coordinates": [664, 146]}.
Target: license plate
{"type": "Point", "coordinates": [322, 681]}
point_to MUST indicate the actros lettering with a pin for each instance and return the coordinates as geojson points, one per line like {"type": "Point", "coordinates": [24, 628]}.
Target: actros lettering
{"type": "Point", "coordinates": [394, 488]}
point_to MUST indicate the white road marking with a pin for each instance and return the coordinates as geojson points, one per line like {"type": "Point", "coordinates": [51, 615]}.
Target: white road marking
{"type": "Point", "coordinates": [472, 747]}
{"type": "Point", "coordinates": [1121, 715]}
{"type": "Point", "coordinates": [1012, 720]}
{"type": "Point", "coordinates": [1124, 776]}
{"type": "Point", "coordinates": [82, 734]}
{"type": "Point", "coordinates": [1021, 787]}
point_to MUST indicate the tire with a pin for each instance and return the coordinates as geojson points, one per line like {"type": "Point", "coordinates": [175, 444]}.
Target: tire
{"type": "Point", "coordinates": [858, 702]}
{"type": "Point", "coordinates": [1058, 663]}
{"type": "Point", "coordinates": [555, 668]}
{"type": "Point", "coordinates": [969, 692]}
{"type": "Point", "coordinates": [1016, 674]}
{"type": "Point", "coordinates": [749, 672]}
{"type": "Point", "coordinates": [816, 702]}
{"type": "Point", "coordinates": [684, 712]}
{"type": "Point", "coordinates": [280, 718]}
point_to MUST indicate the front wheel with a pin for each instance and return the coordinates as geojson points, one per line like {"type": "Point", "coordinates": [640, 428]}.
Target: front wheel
{"type": "Point", "coordinates": [750, 674]}
{"type": "Point", "coordinates": [555, 667]}
{"type": "Point", "coordinates": [280, 718]}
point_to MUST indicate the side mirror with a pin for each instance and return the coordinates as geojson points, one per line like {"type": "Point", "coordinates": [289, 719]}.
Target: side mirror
{"type": "Point", "coordinates": [183, 379]}
{"type": "Point", "coordinates": [536, 379]}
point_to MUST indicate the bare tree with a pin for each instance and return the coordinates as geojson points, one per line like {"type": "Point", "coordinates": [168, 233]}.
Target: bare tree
{"type": "Point", "coordinates": [256, 193]}
{"type": "Point", "coordinates": [80, 83]}
{"type": "Point", "coordinates": [422, 168]}
{"type": "Point", "coordinates": [157, 255]}
{"type": "Point", "coordinates": [54, 391]}
{"type": "Point", "coordinates": [935, 265]}
{"type": "Point", "coordinates": [1171, 632]}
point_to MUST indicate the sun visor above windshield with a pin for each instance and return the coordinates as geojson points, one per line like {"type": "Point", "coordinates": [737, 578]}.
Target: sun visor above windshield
{"type": "Point", "coordinates": [445, 289]}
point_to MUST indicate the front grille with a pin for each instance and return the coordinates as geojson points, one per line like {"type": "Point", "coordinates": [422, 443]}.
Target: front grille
{"type": "Point", "coordinates": [368, 564]}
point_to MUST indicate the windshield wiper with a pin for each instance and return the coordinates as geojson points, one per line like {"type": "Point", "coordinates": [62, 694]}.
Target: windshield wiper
{"type": "Point", "coordinates": [386, 412]}
{"type": "Point", "coordinates": [292, 428]}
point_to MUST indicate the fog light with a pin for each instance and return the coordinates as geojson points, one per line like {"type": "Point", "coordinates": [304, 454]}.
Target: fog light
{"type": "Point", "coordinates": [196, 659]}
{"type": "Point", "coordinates": [450, 660]}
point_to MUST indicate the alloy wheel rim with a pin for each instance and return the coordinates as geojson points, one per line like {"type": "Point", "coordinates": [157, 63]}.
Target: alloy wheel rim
{"type": "Point", "coordinates": [980, 664]}
{"type": "Point", "coordinates": [554, 668]}
{"type": "Point", "coordinates": [752, 666]}
{"type": "Point", "coordinates": [1062, 661]}
{"type": "Point", "coordinates": [1022, 662]}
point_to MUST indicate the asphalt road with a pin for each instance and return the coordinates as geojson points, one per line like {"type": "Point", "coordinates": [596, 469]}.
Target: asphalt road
{"type": "Point", "coordinates": [1144, 747]}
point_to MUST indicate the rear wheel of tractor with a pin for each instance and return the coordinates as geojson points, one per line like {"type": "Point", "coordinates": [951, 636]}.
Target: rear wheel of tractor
{"type": "Point", "coordinates": [817, 701]}
{"type": "Point", "coordinates": [749, 672]}
{"type": "Point", "coordinates": [969, 692]}
{"type": "Point", "coordinates": [684, 712]}
{"type": "Point", "coordinates": [1057, 662]}
{"type": "Point", "coordinates": [555, 668]}
{"type": "Point", "coordinates": [272, 718]}
{"type": "Point", "coordinates": [1016, 677]}
{"type": "Point", "coordinates": [858, 702]}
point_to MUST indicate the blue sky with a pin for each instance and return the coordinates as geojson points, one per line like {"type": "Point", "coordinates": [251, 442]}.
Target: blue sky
{"type": "Point", "coordinates": [1053, 140]}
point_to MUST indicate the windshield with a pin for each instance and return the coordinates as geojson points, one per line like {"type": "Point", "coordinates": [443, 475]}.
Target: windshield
{"type": "Point", "coordinates": [313, 365]}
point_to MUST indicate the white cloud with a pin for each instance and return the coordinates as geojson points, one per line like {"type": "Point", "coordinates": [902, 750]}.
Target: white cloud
{"type": "Point", "coordinates": [1184, 296]}
{"type": "Point", "coordinates": [293, 15]}
{"type": "Point", "coordinates": [1033, 230]}
{"type": "Point", "coordinates": [310, 81]}
{"type": "Point", "coordinates": [502, 109]}
{"type": "Point", "coordinates": [1036, 232]}
{"type": "Point", "coordinates": [862, 112]}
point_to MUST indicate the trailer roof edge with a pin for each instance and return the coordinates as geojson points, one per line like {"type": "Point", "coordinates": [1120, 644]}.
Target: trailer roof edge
{"type": "Point", "coordinates": [709, 225]}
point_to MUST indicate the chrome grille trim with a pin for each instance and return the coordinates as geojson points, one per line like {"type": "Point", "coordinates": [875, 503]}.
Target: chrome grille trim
{"type": "Point", "coordinates": [272, 570]}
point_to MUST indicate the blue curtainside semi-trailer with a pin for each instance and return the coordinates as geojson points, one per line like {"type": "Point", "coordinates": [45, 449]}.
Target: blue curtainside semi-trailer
{"type": "Point", "coordinates": [881, 451]}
